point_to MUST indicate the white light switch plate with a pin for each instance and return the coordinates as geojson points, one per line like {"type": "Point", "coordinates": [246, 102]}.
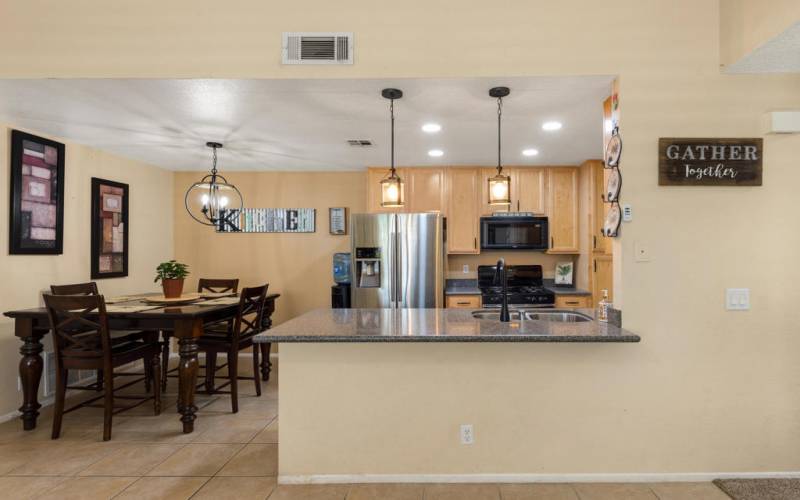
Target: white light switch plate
{"type": "Point", "coordinates": [737, 299]}
{"type": "Point", "coordinates": [465, 269]}
{"type": "Point", "coordinates": [627, 212]}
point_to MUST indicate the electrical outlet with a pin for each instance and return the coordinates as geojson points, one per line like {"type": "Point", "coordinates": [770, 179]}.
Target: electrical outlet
{"type": "Point", "coordinates": [467, 434]}
{"type": "Point", "coordinates": [465, 269]}
{"type": "Point", "coordinates": [641, 252]}
{"type": "Point", "coordinates": [737, 299]}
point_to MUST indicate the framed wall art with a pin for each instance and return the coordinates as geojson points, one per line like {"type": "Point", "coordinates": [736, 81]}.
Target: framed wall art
{"type": "Point", "coordinates": [36, 225]}
{"type": "Point", "coordinates": [338, 220]}
{"type": "Point", "coordinates": [109, 229]}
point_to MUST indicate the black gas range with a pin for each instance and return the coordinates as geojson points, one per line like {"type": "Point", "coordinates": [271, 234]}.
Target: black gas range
{"type": "Point", "coordinates": [524, 287]}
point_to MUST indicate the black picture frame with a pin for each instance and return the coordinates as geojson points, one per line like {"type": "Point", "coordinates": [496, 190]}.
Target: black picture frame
{"type": "Point", "coordinates": [97, 229]}
{"type": "Point", "coordinates": [20, 240]}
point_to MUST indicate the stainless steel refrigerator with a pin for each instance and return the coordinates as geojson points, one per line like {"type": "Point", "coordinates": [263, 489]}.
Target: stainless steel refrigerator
{"type": "Point", "coordinates": [398, 260]}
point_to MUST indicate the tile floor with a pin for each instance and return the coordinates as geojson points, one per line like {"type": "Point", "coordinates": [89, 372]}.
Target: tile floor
{"type": "Point", "coordinates": [228, 456]}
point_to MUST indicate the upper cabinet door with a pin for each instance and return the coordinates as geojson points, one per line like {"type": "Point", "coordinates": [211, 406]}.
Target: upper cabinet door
{"type": "Point", "coordinates": [563, 209]}
{"type": "Point", "coordinates": [374, 178]}
{"type": "Point", "coordinates": [463, 200]}
{"type": "Point", "coordinates": [529, 188]}
{"type": "Point", "coordinates": [425, 189]}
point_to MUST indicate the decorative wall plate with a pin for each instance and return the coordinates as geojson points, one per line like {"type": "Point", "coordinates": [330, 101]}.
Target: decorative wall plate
{"type": "Point", "coordinates": [613, 186]}
{"type": "Point", "coordinates": [613, 149]}
{"type": "Point", "coordinates": [611, 225]}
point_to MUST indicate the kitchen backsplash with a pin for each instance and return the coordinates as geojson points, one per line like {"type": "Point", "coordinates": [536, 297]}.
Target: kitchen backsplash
{"type": "Point", "coordinates": [455, 263]}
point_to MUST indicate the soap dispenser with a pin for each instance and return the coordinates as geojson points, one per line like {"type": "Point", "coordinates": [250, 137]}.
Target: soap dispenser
{"type": "Point", "coordinates": [603, 306]}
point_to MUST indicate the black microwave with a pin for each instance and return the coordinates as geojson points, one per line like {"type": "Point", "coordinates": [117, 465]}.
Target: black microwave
{"type": "Point", "coordinates": [514, 233]}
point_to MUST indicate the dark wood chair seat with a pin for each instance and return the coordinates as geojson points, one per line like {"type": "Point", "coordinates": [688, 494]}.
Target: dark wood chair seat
{"type": "Point", "coordinates": [90, 288]}
{"type": "Point", "coordinates": [237, 337]}
{"type": "Point", "coordinates": [82, 341]}
{"type": "Point", "coordinates": [213, 285]}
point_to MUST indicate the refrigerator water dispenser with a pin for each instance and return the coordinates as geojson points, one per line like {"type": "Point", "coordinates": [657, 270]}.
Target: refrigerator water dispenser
{"type": "Point", "coordinates": [368, 267]}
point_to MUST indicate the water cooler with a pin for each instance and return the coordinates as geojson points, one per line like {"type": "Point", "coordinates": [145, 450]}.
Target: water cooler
{"type": "Point", "coordinates": [340, 292]}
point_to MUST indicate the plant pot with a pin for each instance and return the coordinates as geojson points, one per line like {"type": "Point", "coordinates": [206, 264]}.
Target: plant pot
{"type": "Point", "coordinates": [173, 288]}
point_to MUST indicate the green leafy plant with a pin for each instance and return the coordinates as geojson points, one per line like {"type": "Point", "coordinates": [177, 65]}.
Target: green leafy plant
{"type": "Point", "coordinates": [171, 270]}
{"type": "Point", "coordinates": [564, 270]}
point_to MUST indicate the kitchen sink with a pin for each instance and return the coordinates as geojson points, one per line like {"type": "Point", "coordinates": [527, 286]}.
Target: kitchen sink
{"type": "Point", "coordinates": [534, 315]}
{"type": "Point", "coordinates": [494, 314]}
{"type": "Point", "coordinates": [554, 315]}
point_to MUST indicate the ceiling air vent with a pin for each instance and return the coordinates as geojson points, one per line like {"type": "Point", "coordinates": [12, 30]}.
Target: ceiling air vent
{"type": "Point", "coordinates": [359, 143]}
{"type": "Point", "coordinates": [317, 48]}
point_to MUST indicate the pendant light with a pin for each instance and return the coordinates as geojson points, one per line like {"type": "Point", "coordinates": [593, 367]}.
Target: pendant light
{"type": "Point", "coordinates": [499, 185]}
{"type": "Point", "coordinates": [209, 200]}
{"type": "Point", "coordinates": [392, 186]}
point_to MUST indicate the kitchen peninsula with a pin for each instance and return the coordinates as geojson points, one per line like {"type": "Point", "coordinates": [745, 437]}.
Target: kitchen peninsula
{"type": "Point", "coordinates": [384, 394]}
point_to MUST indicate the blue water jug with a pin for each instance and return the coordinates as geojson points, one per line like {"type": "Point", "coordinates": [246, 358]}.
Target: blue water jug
{"type": "Point", "coordinates": [341, 267]}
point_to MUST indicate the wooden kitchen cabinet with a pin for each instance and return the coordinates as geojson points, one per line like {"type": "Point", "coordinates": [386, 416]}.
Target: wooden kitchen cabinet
{"type": "Point", "coordinates": [464, 301]}
{"type": "Point", "coordinates": [374, 177]}
{"type": "Point", "coordinates": [602, 277]}
{"type": "Point", "coordinates": [528, 190]}
{"type": "Point", "coordinates": [598, 177]}
{"type": "Point", "coordinates": [530, 194]}
{"type": "Point", "coordinates": [425, 189]}
{"type": "Point", "coordinates": [573, 302]}
{"type": "Point", "coordinates": [562, 209]}
{"type": "Point", "coordinates": [462, 192]}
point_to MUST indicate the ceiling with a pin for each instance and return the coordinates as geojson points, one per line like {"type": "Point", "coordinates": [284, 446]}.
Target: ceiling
{"type": "Point", "coordinates": [780, 54]}
{"type": "Point", "coordinates": [305, 124]}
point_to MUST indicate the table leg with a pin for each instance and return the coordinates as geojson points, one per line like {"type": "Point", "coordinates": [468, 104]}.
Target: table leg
{"type": "Point", "coordinates": [187, 382]}
{"type": "Point", "coordinates": [30, 373]}
{"type": "Point", "coordinates": [266, 364]}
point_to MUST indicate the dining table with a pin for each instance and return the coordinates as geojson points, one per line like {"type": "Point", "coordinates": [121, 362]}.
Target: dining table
{"type": "Point", "coordinates": [184, 321]}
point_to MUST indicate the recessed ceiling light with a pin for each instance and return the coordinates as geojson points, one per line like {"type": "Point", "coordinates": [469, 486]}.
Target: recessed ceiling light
{"type": "Point", "coordinates": [551, 126]}
{"type": "Point", "coordinates": [530, 152]}
{"type": "Point", "coordinates": [431, 128]}
{"type": "Point", "coordinates": [435, 153]}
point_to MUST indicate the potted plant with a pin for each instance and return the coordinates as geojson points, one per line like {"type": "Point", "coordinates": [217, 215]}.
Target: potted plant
{"type": "Point", "coordinates": [171, 274]}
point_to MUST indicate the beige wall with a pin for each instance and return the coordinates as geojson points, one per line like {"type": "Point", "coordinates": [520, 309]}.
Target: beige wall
{"type": "Point", "coordinates": [747, 24]}
{"type": "Point", "coordinates": [709, 389]}
{"type": "Point", "coordinates": [298, 266]}
{"type": "Point", "coordinates": [26, 276]}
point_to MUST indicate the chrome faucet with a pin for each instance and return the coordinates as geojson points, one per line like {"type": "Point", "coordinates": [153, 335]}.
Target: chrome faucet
{"type": "Point", "coordinates": [501, 275]}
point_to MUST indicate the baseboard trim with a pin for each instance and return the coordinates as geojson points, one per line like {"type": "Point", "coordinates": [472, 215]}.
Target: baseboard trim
{"type": "Point", "coordinates": [9, 416]}
{"type": "Point", "coordinates": [653, 477]}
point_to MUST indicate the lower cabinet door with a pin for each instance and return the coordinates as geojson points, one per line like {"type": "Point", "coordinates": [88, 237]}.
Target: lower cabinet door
{"type": "Point", "coordinates": [573, 301]}
{"type": "Point", "coordinates": [464, 301]}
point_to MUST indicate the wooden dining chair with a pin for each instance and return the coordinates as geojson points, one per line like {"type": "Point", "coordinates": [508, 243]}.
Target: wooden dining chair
{"type": "Point", "coordinates": [82, 341]}
{"type": "Point", "coordinates": [213, 285]}
{"type": "Point", "coordinates": [117, 336]}
{"type": "Point", "coordinates": [234, 338]}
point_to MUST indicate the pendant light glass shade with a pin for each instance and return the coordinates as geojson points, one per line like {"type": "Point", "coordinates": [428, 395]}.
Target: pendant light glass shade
{"type": "Point", "coordinates": [392, 186]}
{"type": "Point", "coordinates": [210, 200]}
{"type": "Point", "coordinates": [500, 189]}
{"type": "Point", "coordinates": [392, 191]}
{"type": "Point", "coordinates": [499, 185]}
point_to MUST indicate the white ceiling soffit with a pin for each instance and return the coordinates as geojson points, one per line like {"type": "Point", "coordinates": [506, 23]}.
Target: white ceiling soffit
{"type": "Point", "coordinates": [304, 125]}
{"type": "Point", "coordinates": [781, 54]}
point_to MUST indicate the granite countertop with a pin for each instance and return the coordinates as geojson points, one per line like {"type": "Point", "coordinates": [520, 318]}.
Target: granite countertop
{"type": "Point", "coordinates": [433, 325]}
{"type": "Point", "coordinates": [461, 287]}
{"type": "Point", "coordinates": [564, 290]}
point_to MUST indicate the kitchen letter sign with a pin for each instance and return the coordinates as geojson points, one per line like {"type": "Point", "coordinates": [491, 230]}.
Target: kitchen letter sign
{"type": "Point", "coordinates": [709, 162]}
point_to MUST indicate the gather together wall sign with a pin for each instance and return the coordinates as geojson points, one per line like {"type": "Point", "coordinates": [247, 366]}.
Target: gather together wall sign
{"type": "Point", "coordinates": [709, 162]}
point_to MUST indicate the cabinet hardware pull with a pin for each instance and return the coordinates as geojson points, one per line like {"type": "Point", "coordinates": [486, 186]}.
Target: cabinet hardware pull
{"type": "Point", "coordinates": [595, 266]}
{"type": "Point", "coordinates": [594, 241]}
{"type": "Point", "coordinates": [475, 243]}
{"type": "Point", "coordinates": [552, 242]}
{"type": "Point", "coordinates": [463, 303]}
{"type": "Point", "coordinates": [517, 205]}
{"type": "Point", "coordinates": [573, 303]}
